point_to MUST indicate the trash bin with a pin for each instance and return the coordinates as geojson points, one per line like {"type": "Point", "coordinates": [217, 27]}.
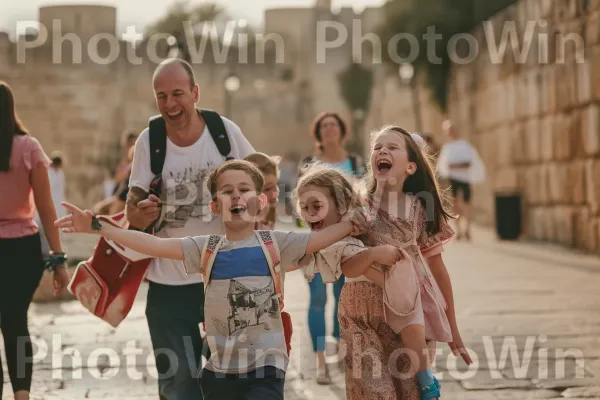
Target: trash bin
{"type": "Point", "coordinates": [508, 215]}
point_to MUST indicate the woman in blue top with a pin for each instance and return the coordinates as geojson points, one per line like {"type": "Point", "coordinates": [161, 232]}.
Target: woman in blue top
{"type": "Point", "coordinates": [329, 132]}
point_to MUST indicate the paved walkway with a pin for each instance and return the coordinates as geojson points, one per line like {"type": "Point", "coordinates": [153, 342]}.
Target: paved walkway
{"type": "Point", "coordinates": [522, 309]}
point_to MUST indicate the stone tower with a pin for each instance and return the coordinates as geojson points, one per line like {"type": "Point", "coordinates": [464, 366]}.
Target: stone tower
{"type": "Point", "coordinates": [323, 4]}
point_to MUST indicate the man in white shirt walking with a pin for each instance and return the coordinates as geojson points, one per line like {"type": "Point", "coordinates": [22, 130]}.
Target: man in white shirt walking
{"type": "Point", "coordinates": [460, 163]}
{"type": "Point", "coordinates": [175, 304]}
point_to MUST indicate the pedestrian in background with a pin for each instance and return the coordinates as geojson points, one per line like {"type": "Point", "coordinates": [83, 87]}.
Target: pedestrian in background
{"type": "Point", "coordinates": [25, 185]}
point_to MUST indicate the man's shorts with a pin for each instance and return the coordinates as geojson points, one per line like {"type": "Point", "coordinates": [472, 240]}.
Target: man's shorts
{"type": "Point", "coordinates": [457, 186]}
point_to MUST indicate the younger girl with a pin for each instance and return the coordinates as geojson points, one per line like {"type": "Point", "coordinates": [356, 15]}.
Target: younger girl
{"type": "Point", "coordinates": [324, 197]}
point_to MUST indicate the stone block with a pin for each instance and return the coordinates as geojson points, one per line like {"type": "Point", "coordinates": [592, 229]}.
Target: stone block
{"type": "Point", "coordinates": [594, 57]}
{"type": "Point", "coordinates": [592, 185]}
{"type": "Point", "coordinates": [541, 224]}
{"type": "Point", "coordinates": [546, 138]}
{"type": "Point", "coordinates": [532, 140]}
{"type": "Point", "coordinates": [506, 180]}
{"type": "Point", "coordinates": [503, 146]}
{"type": "Point", "coordinates": [566, 138]}
{"type": "Point", "coordinates": [558, 174]}
{"type": "Point", "coordinates": [592, 32]}
{"type": "Point", "coordinates": [584, 80]}
{"type": "Point", "coordinates": [575, 184]}
{"type": "Point", "coordinates": [545, 177]}
{"type": "Point", "coordinates": [533, 91]}
{"type": "Point", "coordinates": [590, 130]}
{"type": "Point", "coordinates": [516, 133]}
{"type": "Point", "coordinates": [562, 92]}
{"type": "Point", "coordinates": [564, 224]}
{"type": "Point", "coordinates": [534, 224]}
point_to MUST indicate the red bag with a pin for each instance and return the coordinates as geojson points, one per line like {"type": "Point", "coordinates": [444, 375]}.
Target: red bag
{"type": "Point", "coordinates": [107, 283]}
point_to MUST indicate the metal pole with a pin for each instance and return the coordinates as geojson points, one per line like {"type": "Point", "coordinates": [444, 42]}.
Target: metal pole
{"type": "Point", "coordinates": [416, 104]}
{"type": "Point", "coordinates": [227, 104]}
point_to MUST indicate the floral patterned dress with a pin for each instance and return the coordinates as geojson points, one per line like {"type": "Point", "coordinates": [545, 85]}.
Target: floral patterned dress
{"type": "Point", "coordinates": [376, 366]}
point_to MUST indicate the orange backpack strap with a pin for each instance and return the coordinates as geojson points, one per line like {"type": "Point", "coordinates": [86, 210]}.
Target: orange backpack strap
{"type": "Point", "coordinates": [271, 249]}
{"type": "Point", "coordinates": [207, 258]}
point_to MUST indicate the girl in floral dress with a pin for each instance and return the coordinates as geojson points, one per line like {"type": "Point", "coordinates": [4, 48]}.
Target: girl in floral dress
{"type": "Point", "coordinates": [406, 209]}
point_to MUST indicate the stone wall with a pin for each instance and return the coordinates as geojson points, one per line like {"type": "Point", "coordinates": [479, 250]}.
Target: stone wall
{"type": "Point", "coordinates": [535, 122]}
{"type": "Point", "coordinates": [82, 108]}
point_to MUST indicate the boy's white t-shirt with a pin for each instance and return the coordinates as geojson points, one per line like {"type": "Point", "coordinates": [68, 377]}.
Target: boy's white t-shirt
{"type": "Point", "coordinates": [241, 308]}
{"type": "Point", "coordinates": [185, 195]}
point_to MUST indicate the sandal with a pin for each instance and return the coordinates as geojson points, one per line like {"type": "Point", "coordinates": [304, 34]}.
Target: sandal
{"type": "Point", "coordinates": [323, 377]}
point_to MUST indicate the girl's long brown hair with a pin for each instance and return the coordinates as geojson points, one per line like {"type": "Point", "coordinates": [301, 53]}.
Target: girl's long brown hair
{"type": "Point", "coordinates": [423, 180]}
{"type": "Point", "coordinates": [10, 125]}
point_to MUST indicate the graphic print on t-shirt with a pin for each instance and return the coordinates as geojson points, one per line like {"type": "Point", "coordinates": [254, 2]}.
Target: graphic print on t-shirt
{"type": "Point", "coordinates": [250, 306]}
{"type": "Point", "coordinates": [185, 196]}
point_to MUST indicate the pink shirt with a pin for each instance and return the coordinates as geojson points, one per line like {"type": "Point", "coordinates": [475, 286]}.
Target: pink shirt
{"type": "Point", "coordinates": [17, 205]}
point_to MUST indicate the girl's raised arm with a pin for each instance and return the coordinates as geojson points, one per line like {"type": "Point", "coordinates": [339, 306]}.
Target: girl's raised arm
{"type": "Point", "coordinates": [80, 221]}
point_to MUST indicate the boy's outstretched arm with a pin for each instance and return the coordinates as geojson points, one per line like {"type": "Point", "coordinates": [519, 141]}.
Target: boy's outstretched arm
{"type": "Point", "coordinates": [81, 222]}
{"type": "Point", "coordinates": [328, 236]}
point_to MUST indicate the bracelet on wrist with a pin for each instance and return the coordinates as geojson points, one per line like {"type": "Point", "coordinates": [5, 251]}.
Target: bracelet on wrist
{"type": "Point", "coordinates": [96, 225]}
{"type": "Point", "coordinates": [55, 260]}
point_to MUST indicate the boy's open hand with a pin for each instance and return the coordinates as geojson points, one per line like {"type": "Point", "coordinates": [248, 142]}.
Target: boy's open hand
{"type": "Point", "coordinates": [79, 221]}
{"type": "Point", "coordinates": [360, 220]}
{"type": "Point", "coordinates": [387, 254]}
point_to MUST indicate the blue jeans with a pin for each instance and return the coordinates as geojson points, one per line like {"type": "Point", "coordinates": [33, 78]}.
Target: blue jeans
{"type": "Point", "coordinates": [174, 314]}
{"type": "Point", "coordinates": [262, 384]}
{"type": "Point", "coordinates": [316, 311]}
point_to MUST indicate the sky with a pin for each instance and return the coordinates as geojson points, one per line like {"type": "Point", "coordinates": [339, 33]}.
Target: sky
{"type": "Point", "coordinates": [142, 12]}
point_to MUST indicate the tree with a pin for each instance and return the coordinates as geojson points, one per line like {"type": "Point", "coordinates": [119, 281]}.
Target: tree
{"type": "Point", "coordinates": [172, 23]}
{"type": "Point", "coordinates": [448, 18]}
{"type": "Point", "coordinates": [356, 83]}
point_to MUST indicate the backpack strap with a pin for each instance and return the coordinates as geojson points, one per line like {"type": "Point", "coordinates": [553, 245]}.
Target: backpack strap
{"type": "Point", "coordinates": [158, 143]}
{"type": "Point", "coordinates": [158, 138]}
{"type": "Point", "coordinates": [207, 257]}
{"type": "Point", "coordinates": [271, 250]}
{"type": "Point", "coordinates": [217, 129]}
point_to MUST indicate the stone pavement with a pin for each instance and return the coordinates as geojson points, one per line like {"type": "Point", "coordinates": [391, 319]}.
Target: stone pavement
{"type": "Point", "coordinates": [529, 313]}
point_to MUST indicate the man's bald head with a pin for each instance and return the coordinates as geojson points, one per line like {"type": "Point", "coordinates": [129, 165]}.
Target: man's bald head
{"type": "Point", "coordinates": [171, 63]}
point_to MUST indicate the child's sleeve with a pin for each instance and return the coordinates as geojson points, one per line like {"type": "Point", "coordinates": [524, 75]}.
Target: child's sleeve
{"type": "Point", "coordinates": [432, 245]}
{"type": "Point", "coordinates": [192, 252]}
{"type": "Point", "coordinates": [34, 155]}
{"type": "Point", "coordinates": [292, 246]}
{"type": "Point", "coordinates": [328, 262]}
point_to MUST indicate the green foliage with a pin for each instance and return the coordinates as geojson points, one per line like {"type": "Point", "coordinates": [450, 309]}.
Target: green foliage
{"type": "Point", "coordinates": [355, 83]}
{"type": "Point", "coordinates": [181, 11]}
{"type": "Point", "coordinates": [448, 18]}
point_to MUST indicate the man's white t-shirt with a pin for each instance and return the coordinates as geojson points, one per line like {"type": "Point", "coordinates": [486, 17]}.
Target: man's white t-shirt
{"type": "Point", "coordinates": [460, 151]}
{"type": "Point", "coordinates": [185, 195]}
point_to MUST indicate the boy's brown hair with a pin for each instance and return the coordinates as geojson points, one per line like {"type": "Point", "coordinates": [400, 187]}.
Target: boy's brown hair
{"type": "Point", "coordinates": [266, 164]}
{"type": "Point", "coordinates": [235, 165]}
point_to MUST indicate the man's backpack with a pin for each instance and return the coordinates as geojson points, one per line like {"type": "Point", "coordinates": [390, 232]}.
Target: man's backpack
{"type": "Point", "coordinates": [271, 251]}
{"type": "Point", "coordinates": [107, 283]}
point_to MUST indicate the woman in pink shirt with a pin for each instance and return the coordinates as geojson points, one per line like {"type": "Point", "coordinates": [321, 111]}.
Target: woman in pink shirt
{"type": "Point", "coordinates": [25, 187]}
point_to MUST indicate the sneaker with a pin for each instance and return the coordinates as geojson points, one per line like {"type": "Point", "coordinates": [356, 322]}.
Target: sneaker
{"type": "Point", "coordinates": [431, 391]}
